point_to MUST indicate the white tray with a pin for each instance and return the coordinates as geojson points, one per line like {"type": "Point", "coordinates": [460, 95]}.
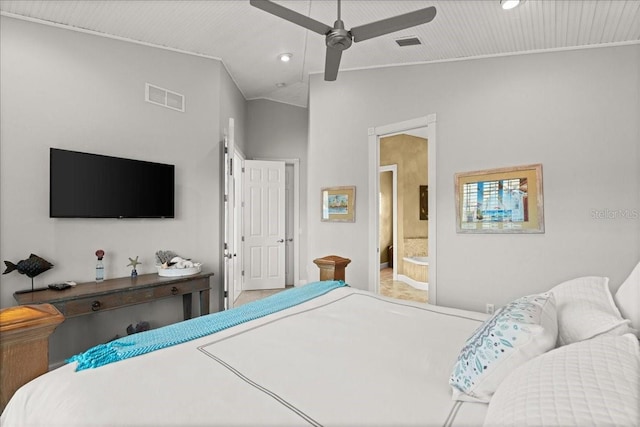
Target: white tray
{"type": "Point", "coordinates": [177, 272]}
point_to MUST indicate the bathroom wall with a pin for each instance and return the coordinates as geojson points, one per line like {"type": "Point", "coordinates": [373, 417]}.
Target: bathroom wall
{"type": "Point", "coordinates": [409, 153]}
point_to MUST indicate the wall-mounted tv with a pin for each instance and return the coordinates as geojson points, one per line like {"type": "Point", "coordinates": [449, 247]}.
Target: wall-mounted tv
{"type": "Point", "coordinates": [84, 185]}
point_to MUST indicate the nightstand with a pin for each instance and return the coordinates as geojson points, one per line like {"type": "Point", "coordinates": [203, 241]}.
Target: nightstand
{"type": "Point", "coordinates": [24, 345]}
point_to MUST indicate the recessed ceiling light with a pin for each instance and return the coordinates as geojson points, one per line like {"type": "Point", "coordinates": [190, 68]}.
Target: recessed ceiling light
{"type": "Point", "coordinates": [285, 57]}
{"type": "Point", "coordinates": [280, 85]}
{"type": "Point", "coordinates": [510, 4]}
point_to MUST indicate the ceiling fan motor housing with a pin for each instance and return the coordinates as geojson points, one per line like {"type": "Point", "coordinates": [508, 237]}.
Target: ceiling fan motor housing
{"type": "Point", "coordinates": [338, 37]}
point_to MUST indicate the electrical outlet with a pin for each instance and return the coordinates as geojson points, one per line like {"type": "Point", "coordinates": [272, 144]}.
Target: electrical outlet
{"type": "Point", "coordinates": [489, 309]}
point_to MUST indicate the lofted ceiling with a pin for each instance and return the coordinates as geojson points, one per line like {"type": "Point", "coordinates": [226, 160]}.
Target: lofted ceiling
{"type": "Point", "coordinates": [248, 40]}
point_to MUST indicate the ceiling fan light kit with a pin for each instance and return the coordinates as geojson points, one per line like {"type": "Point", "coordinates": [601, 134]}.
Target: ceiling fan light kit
{"type": "Point", "coordinates": [337, 38]}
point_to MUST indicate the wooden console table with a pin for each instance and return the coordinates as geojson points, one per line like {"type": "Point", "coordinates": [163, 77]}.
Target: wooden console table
{"type": "Point", "coordinates": [91, 297]}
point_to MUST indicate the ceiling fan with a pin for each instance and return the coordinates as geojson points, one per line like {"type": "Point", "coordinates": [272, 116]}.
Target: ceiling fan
{"type": "Point", "coordinates": [337, 38]}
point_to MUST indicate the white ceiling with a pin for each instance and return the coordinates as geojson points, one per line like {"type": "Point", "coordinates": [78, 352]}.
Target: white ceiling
{"type": "Point", "coordinates": [248, 40]}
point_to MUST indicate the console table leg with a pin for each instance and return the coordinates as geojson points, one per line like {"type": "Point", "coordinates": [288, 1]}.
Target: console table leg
{"type": "Point", "coordinates": [204, 302]}
{"type": "Point", "coordinates": [186, 306]}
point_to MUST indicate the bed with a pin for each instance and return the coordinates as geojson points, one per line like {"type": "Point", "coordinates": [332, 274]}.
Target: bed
{"type": "Point", "coordinates": [349, 358]}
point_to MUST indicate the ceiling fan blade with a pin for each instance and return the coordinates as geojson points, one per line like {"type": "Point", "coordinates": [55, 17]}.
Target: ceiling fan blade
{"type": "Point", "coordinates": [396, 23]}
{"type": "Point", "coordinates": [331, 64]}
{"type": "Point", "coordinates": [290, 15]}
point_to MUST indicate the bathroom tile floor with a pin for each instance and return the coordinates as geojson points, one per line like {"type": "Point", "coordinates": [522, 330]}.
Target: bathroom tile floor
{"type": "Point", "coordinates": [396, 289]}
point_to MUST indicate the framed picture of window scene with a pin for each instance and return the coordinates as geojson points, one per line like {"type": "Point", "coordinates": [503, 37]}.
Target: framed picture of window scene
{"type": "Point", "coordinates": [505, 200]}
{"type": "Point", "coordinates": [338, 204]}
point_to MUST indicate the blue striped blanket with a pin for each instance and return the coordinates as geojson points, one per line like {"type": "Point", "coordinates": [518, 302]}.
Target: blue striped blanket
{"type": "Point", "coordinates": [178, 333]}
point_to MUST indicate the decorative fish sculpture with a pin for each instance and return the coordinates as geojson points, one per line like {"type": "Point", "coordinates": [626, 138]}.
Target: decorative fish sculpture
{"type": "Point", "coordinates": [31, 266]}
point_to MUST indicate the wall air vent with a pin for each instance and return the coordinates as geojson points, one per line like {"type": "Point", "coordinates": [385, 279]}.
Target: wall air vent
{"type": "Point", "coordinates": [408, 41]}
{"type": "Point", "coordinates": [164, 98]}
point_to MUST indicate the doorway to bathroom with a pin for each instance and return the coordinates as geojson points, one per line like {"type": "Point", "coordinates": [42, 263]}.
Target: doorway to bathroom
{"type": "Point", "coordinates": [403, 191]}
{"type": "Point", "coordinates": [404, 185]}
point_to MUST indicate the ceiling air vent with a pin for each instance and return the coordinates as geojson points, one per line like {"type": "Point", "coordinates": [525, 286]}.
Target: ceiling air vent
{"type": "Point", "coordinates": [164, 98]}
{"type": "Point", "coordinates": [408, 41]}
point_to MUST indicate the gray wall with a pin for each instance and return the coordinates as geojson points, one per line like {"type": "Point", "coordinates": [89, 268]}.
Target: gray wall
{"type": "Point", "coordinates": [280, 131]}
{"type": "Point", "coordinates": [76, 91]}
{"type": "Point", "coordinates": [232, 105]}
{"type": "Point", "coordinates": [576, 112]}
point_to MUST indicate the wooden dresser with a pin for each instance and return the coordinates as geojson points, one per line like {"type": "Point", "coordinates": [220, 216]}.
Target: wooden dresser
{"type": "Point", "coordinates": [24, 345]}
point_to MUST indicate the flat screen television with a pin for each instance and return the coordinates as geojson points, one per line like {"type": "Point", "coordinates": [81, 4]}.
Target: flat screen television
{"type": "Point", "coordinates": [84, 185]}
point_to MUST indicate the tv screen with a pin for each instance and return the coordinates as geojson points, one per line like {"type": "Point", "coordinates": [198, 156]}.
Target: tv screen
{"type": "Point", "coordinates": [84, 185]}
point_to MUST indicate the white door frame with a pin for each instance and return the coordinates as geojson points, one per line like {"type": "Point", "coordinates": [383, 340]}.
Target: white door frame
{"type": "Point", "coordinates": [296, 214]}
{"type": "Point", "coordinates": [428, 122]}
{"type": "Point", "coordinates": [228, 150]}
{"type": "Point", "coordinates": [238, 211]}
{"type": "Point", "coordinates": [394, 178]}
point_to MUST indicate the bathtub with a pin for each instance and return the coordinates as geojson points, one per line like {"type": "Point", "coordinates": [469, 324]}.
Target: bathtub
{"type": "Point", "coordinates": [420, 260]}
{"type": "Point", "coordinates": [416, 272]}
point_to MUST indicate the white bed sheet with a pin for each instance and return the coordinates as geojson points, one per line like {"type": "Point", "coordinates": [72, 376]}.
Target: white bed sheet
{"type": "Point", "coordinates": [346, 358]}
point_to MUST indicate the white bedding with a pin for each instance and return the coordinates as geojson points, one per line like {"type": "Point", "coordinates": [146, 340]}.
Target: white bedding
{"type": "Point", "coordinates": [589, 383]}
{"type": "Point", "coordinates": [346, 358]}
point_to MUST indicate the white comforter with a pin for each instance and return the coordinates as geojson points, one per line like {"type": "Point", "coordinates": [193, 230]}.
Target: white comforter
{"type": "Point", "coordinates": [347, 358]}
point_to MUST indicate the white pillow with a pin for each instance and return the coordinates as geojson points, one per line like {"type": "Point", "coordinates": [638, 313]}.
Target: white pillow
{"type": "Point", "coordinates": [628, 298]}
{"type": "Point", "coordinates": [585, 309]}
{"type": "Point", "coordinates": [590, 383]}
{"type": "Point", "coordinates": [517, 332]}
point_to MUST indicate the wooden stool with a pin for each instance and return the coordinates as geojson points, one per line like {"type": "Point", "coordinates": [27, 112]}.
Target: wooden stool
{"type": "Point", "coordinates": [332, 267]}
{"type": "Point", "coordinates": [24, 345]}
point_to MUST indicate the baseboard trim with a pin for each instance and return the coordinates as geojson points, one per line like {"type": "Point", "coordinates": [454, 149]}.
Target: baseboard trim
{"type": "Point", "coordinates": [423, 286]}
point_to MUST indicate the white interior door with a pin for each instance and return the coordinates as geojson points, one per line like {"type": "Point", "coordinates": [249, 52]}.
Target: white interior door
{"type": "Point", "coordinates": [264, 224]}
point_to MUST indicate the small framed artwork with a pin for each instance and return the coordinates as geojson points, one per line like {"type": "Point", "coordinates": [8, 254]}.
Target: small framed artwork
{"type": "Point", "coordinates": [424, 202]}
{"type": "Point", "coordinates": [338, 204]}
{"type": "Point", "coordinates": [506, 200]}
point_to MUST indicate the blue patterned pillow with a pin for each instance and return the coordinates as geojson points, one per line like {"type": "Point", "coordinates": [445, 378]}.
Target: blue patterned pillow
{"type": "Point", "coordinates": [521, 330]}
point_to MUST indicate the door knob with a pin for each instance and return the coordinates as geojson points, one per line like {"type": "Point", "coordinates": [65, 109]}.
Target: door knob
{"type": "Point", "coordinates": [280, 241]}
{"type": "Point", "coordinates": [290, 239]}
